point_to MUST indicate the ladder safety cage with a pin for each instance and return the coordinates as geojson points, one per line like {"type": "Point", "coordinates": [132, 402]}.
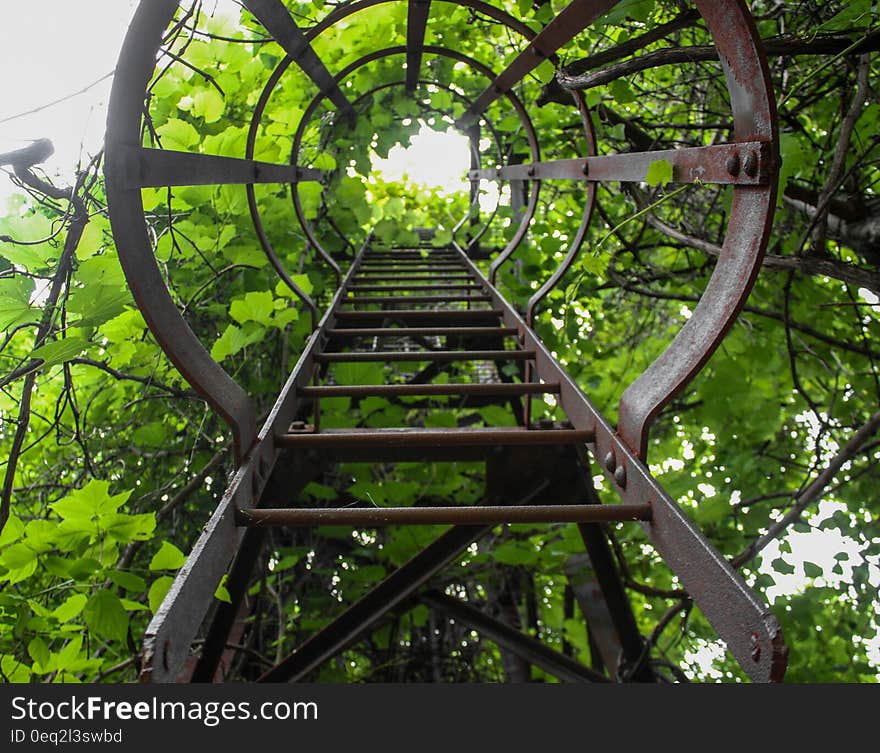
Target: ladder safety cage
{"type": "Point", "coordinates": [434, 306]}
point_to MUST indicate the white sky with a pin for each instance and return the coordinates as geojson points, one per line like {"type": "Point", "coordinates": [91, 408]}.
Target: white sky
{"type": "Point", "coordinates": [50, 49]}
{"type": "Point", "coordinates": [433, 159]}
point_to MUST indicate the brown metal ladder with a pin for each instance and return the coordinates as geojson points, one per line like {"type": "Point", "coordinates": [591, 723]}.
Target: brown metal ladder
{"type": "Point", "coordinates": [410, 296]}
{"type": "Point", "coordinates": [535, 473]}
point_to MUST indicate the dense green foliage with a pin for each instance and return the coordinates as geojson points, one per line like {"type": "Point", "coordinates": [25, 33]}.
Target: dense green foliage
{"type": "Point", "coordinates": [111, 465]}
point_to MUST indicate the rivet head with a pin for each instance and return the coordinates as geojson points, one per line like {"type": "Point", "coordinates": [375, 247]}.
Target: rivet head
{"type": "Point", "coordinates": [756, 647]}
{"type": "Point", "coordinates": [620, 475]}
{"type": "Point", "coordinates": [298, 426]}
{"type": "Point", "coordinates": [751, 165]}
{"type": "Point", "coordinates": [733, 164]}
{"type": "Point", "coordinates": [531, 171]}
{"type": "Point", "coordinates": [610, 462]}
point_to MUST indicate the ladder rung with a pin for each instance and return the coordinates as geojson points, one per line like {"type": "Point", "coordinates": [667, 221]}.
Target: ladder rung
{"type": "Point", "coordinates": [417, 437]}
{"type": "Point", "coordinates": [478, 315]}
{"type": "Point", "coordinates": [427, 355]}
{"type": "Point", "coordinates": [462, 276]}
{"type": "Point", "coordinates": [482, 515]}
{"type": "Point", "coordinates": [402, 288]}
{"type": "Point", "coordinates": [417, 299]}
{"type": "Point", "coordinates": [445, 390]}
{"type": "Point", "coordinates": [411, 268]}
{"type": "Point", "coordinates": [412, 256]}
{"type": "Point", "coordinates": [423, 332]}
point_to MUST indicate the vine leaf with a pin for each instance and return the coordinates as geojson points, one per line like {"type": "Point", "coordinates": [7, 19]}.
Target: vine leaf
{"type": "Point", "coordinates": [659, 173]}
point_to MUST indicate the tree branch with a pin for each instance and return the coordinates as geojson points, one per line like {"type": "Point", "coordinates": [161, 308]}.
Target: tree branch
{"type": "Point", "coordinates": [78, 220]}
{"type": "Point", "coordinates": [148, 381]}
{"type": "Point", "coordinates": [572, 77]}
{"type": "Point", "coordinates": [811, 493]}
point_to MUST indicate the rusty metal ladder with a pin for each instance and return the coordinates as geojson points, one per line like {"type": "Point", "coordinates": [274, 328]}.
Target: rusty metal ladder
{"type": "Point", "coordinates": [438, 301]}
{"type": "Point", "coordinates": [423, 297]}
{"type": "Point", "coordinates": [541, 475]}
{"type": "Point", "coordinates": [424, 294]}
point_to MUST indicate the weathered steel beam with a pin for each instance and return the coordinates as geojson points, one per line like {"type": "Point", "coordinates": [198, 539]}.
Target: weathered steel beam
{"type": "Point", "coordinates": [524, 646]}
{"type": "Point", "coordinates": [744, 164]}
{"type": "Point", "coordinates": [438, 356]}
{"type": "Point", "coordinates": [434, 437]}
{"type": "Point", "coordinates": [276, 19]}
{"type": "Point", "coordinates": [505, 475]}
{"type": "Point", "coordinates": [561, 30]}
{"type": "Point", "coordinates": [291, 473]}
{"type": "Point", "coordinates": [398, 332]}
{"type": "Point", "coordinates": [364, 613]}
{"type": "Point", "coordinates": [417, 299]}
{"type": "Point", "coordinates": [604, 643]}
{"type": "Point", "coordinates": [428, 390]}
{"type": "Point", "coordinates": [752, 633]}
{"type": "Point", "coordinates": [151, 168]}
{"type": "Point", "coordinates": [416, 23]}
{"type": "Point", "coordinates": [460, 515]}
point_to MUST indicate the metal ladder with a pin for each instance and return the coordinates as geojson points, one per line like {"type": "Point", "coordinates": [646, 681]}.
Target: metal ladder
{"type": "Point", "coordinates": [434, 306]}
{"type": "Point", "coordinates": [418, 297]}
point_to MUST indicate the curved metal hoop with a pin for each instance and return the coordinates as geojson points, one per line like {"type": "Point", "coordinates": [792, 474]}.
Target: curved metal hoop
{"type": "Point", "coordinates": [484, 70]}
{"type": "Point", "coordinates": [577, 242]}
{"type": "Point", "coordinates": [136, 64]}
{"type": "Point", "coordinates": [751, 215]}
{"type": "Point", "coordinates": [754, 122]}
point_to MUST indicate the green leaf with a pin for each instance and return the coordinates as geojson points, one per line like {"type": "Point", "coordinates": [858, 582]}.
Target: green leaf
{"type": "Point", "coordinates": [17, 556]}
{"type": "Point", "coordinates": [359, 373]}
{"type": "Point", "coordinates": [127, 528]}
{"type": "Point", "coordinates": [169, 557]}
{"type": "Point", "coordinates": [39, 651]}
{"type": "Point", "coordinates": [208, 104]}
{"type": "Point", "coordinates": [621, 92]}
{"type": "Point", "coordinates": [158, 590]}
{"type": "Point", "coordinates": [301, 281]}
{"type": "Point", "coordinates": [319, 491]}
{"type": "Point", "coordinates": [92, 239]}
{"type": "Point", "coordinates": [128, 581]}
{"type": "Point", "coordinates": [70, 607]}
{"type": "Point", "coordinates": [59, 351]}
{"type": "Point", "coordinates": [70, 653]}
{"type": "Point", "coordinates": [92, 502]}
{"type": "Point", "coordinates": [812, 570]}
{"type": "Point", "coordinates": [254, 307]}
{"type": "Point", "coordinates": [106, 617]}
{"type": "Point", "coordinates": [134, 606]}
{"type": "Point", "coordinates": [15, 307]}
{"type": "Point", "coordinates": [96, 304]}
{"type": "Point", "coordinates": [232, 341]}
{"type": "Point", "coordinates": [659, 173]}
{"type": "Point", "coordinates": [781, 566]}
{"type": "Point", "coordinates": [177, 135]}
{"type": "Point", "coordinates": [420, 615]}
{"type": "Point", "coordinates": [14, 671]}
{"type": "Point", "coordinates": [515, 553]}
{"type": "Point", "coordinates": [222, 593]}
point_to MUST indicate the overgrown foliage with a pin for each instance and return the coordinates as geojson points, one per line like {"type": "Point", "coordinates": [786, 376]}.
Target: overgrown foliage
{"type": "Point", "coordinates": [111, 465]}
